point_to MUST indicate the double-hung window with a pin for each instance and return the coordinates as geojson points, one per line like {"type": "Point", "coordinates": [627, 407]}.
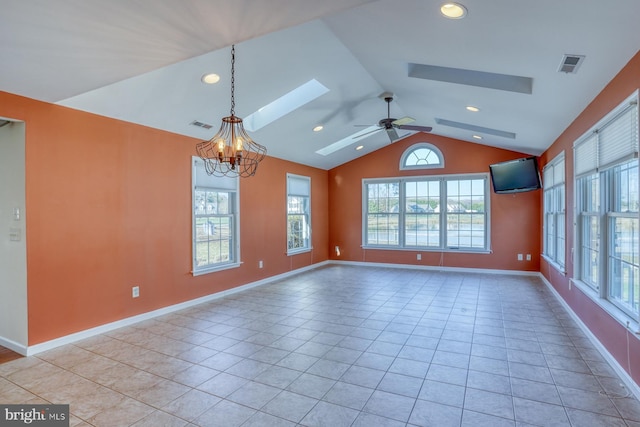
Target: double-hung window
{"type": "Point", "coordinates": [298, 213]}
{"type": "Point", "coordinates": [607, 208]}
{"type": "Point", "coordinates": [554, 212]}
{"type": "Point", "coordinates": [444, 213]}
{"type": "Point", "coordinates": [215, 220]}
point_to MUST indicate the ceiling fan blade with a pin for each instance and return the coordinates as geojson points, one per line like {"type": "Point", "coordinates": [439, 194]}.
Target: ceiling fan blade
{"type": "Point", "coordinates": [403, 121]}
{"type": "Point", "coordinates": [393, 135]}
{"type": "Point", "coordinates": [368, 133]}
{"type": "Point", "coordinates": [416, 128]}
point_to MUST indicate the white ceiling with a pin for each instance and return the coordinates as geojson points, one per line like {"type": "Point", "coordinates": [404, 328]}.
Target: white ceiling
{"type": "Point", "coordinates": [141, 61]}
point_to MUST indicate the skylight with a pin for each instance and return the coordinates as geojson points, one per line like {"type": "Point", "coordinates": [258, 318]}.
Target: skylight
{"type": "Point", "coordinates": [345, 142]}
{"type": "Point", "coordinates": [284, 105]}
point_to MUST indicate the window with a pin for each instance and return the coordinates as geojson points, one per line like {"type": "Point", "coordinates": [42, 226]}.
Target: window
{"type": "Point", "coordinates": [215, 221]}
{"type": "Point", "coordinates": [554, 212]}
{"type": "Point", "coordinates": [298, 213]}
{"type": "Point", "coordinates": [421, 156]}
{"type": "Point", "coordinates": [429, 213]}
{"type": "Point", "coordinates": [607, 208]}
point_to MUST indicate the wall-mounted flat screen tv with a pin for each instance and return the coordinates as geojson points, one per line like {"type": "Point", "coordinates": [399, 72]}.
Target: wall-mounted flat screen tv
{"type": "Point", "coordinates": [515, 176]}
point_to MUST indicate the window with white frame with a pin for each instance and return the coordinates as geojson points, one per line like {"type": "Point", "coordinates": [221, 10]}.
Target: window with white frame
{"type": "Point", "coordinates": [298, 213]}
{"type": "Point", "coordinates": [554, 212]}
{"type": "Point", "coordinates": [421, 156]}
{"type": "Point", "coordinates": [607, 208]}
{"type": "Point", "coordinates": [444, 213]}
{"type": "Point", "coordinates": [215, 220]}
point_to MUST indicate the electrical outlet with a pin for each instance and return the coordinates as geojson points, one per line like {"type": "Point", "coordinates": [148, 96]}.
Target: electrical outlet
{"type": "Point", "coordinates": [528, 257]}
{"type": "Point", "coordinates": [260, 264]}
{"type": "Point", "coordinates": [419, 257]}
{"type": "Point", "coordinates": [135, 292]}
{"type": "Point", "coordinates": [519, 257]}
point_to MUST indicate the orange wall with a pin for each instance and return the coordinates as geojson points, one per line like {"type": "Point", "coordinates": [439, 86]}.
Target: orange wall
{"type": "Point", "coordinates": [611, 333]}
{"type": "Point", "coordinates": [515, 218]}
{"type": "Point", "coordinates": [108, 207]}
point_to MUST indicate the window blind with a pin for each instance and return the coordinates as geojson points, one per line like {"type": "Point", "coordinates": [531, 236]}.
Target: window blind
{"type": "Point", "coordinates": [558, 171]}
{"type": "Point", "coordinates": [614, 140]}
{"type": "Point", "coordinates": [586, 156]}
{"type": "Point", "coordinates": [553, 172]}
{"type": "Point", "coordinates": [202, 179]}
{"type": "Point", "coordinates": [298, 185]}
{"type": "Point", "coordinates": [618, 139]}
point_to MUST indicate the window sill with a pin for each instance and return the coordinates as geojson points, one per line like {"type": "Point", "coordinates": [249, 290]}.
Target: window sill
{"type": "Point", "coordinates": [299, 251]}
{"type": "Point", "coordinates": [423, 249]}
{"type": "Point", "coordinates": [555, 265]}
{"type": "Point", "coordinates": [611, 309]}
{"type": "Point", "coordinates": [216, 269]}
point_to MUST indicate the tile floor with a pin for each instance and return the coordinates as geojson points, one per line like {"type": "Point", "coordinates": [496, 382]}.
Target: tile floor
{"type": "Point", "coordinates": [340, 346]}
{"type": "Point", "coordinates": [7, 355]}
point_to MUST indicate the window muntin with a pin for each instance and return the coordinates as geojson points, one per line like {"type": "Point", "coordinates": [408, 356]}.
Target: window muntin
{"type": "Point", "coordinates": [437, 213]}
{"type": "Point", "coordinates": [298, 213]}
{"type": "Point", "coordinates": [421, 156]}
{"type": "Point", "coordinates": [607, 211]}
{"type": "Point", "coordinates": [554, 244]}
{"type": "Point", "coordinates": [215, 221]}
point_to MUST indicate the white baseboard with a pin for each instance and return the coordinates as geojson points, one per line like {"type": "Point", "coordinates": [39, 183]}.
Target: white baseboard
{"type": "Point", "coordinates": [68, 339]}
{"type": "Point", "coordinates": [437, 268]}
{"type": "Point", "coordinates": [13, 346]}
{"type": "Point", "coordinates": [628, 381]}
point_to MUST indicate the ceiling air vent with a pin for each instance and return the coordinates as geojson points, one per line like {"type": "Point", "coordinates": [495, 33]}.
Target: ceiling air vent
{"type": "Point", "coordinates": [201, 125]}
{"type": "Point", "coordinates": [571, 63]}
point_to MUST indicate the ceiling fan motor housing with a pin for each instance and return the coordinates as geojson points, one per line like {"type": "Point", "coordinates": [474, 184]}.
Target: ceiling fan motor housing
{"type": "Point", "coordinates": [386, 123]}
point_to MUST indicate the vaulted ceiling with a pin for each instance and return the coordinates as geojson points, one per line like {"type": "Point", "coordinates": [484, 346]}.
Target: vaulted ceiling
{"type": "Point", "coordinates": [142, 61]}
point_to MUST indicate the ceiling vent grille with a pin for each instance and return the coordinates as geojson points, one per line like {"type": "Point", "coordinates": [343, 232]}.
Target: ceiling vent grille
{"type": "Point", "coordinates": [201, 125]}
{"type": "Point", "coordinates": [570, 64]}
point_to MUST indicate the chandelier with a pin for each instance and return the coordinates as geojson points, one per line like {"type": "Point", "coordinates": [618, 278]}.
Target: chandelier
{"type": "Point", "coordinates": [231, 151]}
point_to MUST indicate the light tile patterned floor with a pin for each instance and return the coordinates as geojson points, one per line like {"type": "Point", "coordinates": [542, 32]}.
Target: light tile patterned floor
{"type": "Point", "coordinates": [340, 346]}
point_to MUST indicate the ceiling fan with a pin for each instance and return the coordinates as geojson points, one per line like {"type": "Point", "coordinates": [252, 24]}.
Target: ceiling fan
{"type": "Point", "coordinates": [390, 124]}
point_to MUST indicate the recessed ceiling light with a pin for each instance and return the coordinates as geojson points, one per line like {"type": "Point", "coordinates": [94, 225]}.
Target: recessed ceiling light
{"type": "Point", "coordinates": [477, 136]}
{"type": "Point", "coordinates": [453, 10]}
{"type": "Point", "coordinates": [318, 128]}
{"type": "Point", "coordinates": [359, 147]}
{"type": "Point", "coordinates": [210, 78]}
{"type": "Point", "coordinates": [472, 108]}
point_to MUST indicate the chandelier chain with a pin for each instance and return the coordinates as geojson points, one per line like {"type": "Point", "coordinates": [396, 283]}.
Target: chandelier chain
{"type": "Point", "coordinates": [233, 81]}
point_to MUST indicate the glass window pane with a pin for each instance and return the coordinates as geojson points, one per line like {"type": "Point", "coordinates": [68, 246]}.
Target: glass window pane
{"type": "Point", "coordinates": [421, 155]}
{"type": "Point", "coordinates": [623, 287]}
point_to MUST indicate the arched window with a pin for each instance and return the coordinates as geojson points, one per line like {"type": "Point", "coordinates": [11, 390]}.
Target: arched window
{"type": "Point", "coordinates": [421, 156]}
